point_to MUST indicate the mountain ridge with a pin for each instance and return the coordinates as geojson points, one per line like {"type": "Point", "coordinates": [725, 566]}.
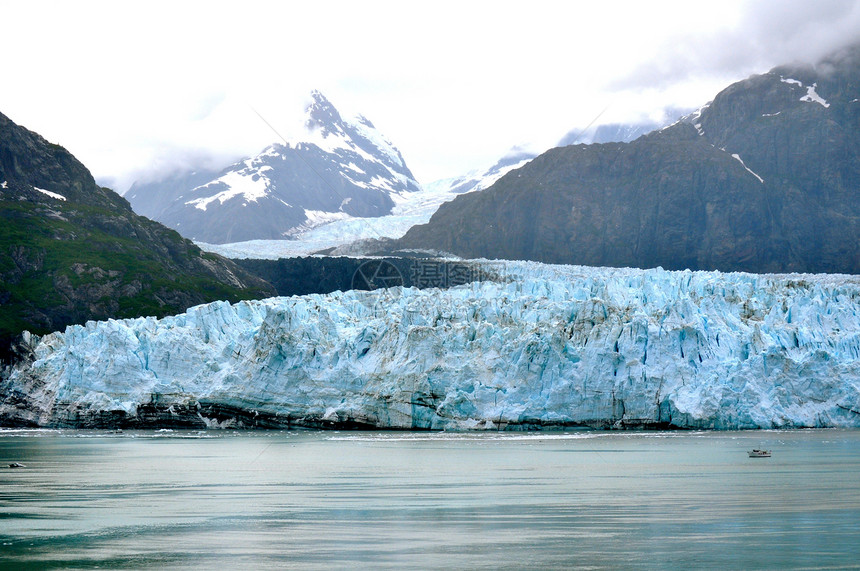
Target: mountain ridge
{"type": "Point", "coordinates": [342, 168]}
{"type": "Point", "coordinates": [763, 179]}
{"type": "Point", "coordinates": [72, 251]}
{"type": "Point", "coordinates": [356, 236]}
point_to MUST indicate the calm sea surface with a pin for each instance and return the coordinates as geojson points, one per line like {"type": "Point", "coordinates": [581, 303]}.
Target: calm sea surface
{"type": "Point", "coordinates": [312, 500]}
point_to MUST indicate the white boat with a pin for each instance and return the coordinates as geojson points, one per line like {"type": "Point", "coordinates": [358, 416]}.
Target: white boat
{"type": "Point", "coordinates": [759, 453]}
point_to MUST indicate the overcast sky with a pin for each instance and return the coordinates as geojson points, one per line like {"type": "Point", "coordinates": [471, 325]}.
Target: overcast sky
{"type": "Point", "coordinates": [134, 89]}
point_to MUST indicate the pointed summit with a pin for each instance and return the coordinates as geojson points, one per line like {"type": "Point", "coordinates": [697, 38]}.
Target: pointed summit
{"type": "Point", "coordinates": [322, 115]}
{"type": "Point", "coordinates": [339, 170]}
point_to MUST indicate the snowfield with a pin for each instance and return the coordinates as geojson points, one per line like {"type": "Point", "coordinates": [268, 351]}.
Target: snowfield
{"type": "Point", "coordinates": [546, 346]}
{"type": "Point", "coordinates": [411, 209]}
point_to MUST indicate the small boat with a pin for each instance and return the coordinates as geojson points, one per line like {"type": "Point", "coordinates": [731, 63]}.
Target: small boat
{"type": "Point", "coordinates": [759, 453]}
{"type": "Point", "coordinates": [16, 465]}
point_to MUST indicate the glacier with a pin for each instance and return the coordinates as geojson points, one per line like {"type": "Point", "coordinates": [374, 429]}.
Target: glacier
{"type": "Point", "coordinates": [537, 347]}
{"type": "Point", "coordinates": [346, 233]}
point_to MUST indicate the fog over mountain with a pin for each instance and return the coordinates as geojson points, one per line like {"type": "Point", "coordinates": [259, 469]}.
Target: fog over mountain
{"type": "Point", "coordinates": [764, 179]}
{"type": "Point", "coordinates": [344, 168]}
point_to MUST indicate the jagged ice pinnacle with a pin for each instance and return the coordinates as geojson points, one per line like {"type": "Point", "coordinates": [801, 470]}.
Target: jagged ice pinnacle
{"type": "Point", "coordinates": [547, 346]}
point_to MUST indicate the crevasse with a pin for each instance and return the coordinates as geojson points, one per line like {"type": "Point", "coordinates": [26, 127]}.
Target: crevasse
{"type": "Point", "coordinates": [546, 346]}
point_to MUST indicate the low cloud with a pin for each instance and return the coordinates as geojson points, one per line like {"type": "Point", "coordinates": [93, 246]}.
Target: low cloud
{"type": "Point", "coordinates": [167, 162]}
{"type": "Point", "coordinates": [768, 33]}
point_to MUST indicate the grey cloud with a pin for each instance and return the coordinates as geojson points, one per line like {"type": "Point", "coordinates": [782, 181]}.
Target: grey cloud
{"type": "Point", "coordinates": [770, 33]}
{"type": "Point", "coordinates": [173, 162]}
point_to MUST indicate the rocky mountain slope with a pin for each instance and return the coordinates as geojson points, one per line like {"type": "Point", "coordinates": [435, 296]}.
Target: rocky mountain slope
{"type": "Point", "coordinates": [360, 235]}
{"type": "Point", "coordinates": [71, 251]}
{"type": "Point", "coordinates": [343, 168]}
{"type": "Point", "coordinates": [766, 178]}
{"type": "Point", "coordinates": [355, 236]}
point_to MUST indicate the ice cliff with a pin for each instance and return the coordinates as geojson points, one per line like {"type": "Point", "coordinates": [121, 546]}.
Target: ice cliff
{"type": "Point", "coordinates": [545, 346]}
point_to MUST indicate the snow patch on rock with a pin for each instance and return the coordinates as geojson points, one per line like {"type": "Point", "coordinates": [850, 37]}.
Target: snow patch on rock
{"type": "Point", "coordinates": [812, 97]}
{"type": "Point", "coordinates": [738, 158]}
{"type": "Point", "coordinates": [53, 195]}
{"type": "Point", "coordinates": [247, 184]}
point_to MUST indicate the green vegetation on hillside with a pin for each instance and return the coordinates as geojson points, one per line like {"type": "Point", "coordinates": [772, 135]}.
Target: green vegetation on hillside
{"type": "Point", "coordinates": [90, 257]}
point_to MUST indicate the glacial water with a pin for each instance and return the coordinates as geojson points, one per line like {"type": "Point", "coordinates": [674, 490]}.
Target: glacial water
{"type": "Point", "coordinates": [392, 500]}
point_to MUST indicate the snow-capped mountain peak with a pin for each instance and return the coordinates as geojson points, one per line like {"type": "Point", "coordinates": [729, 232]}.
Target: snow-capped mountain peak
{"type": "Point", "coordinates": [338, 168]}
{"type": "Point", "coordinates": [320, 113]}
{"type": "Point", "coordinates": [332, 133]}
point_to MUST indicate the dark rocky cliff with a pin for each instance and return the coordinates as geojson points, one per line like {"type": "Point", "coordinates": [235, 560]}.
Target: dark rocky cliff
{"type": "Point", "coordinates": [764, 179]}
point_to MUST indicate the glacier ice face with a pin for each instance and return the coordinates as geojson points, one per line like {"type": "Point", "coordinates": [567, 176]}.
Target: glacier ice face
{"type": "Point", "coordinates": [548, 346]}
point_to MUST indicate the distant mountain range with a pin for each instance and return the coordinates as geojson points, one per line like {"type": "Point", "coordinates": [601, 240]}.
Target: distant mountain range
{"type": "Point", "coordinates": [766, 178]}
{"type": "Point", "coordinates": [345, 183]}
{"type": "Point", "coordinates": [620, 132]}
{"type": "Point", "coordinates": [609, 133]}
{"type": "Point", "coordinates": [344, 168]}
{"type": "Point", "coordinates": [71, 251]}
